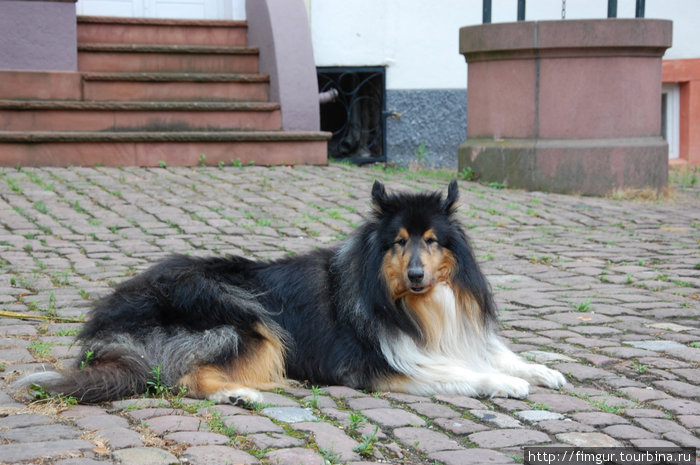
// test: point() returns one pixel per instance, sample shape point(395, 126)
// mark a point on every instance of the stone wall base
point(587, 167)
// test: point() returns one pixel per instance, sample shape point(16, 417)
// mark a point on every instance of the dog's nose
point(415, 274)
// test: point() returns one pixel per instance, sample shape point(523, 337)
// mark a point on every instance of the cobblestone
point(606, 290)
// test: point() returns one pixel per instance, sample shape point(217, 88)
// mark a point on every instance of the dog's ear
point(448, 204)
point(379, 196)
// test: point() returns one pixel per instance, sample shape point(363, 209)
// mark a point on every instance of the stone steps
point(148, 92)
point(97, 29)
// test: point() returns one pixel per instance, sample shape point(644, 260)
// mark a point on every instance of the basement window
point(352, 109)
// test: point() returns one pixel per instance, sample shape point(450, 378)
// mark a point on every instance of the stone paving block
point(120, 438)
point(246, 424)
point(22, 420)
point(274, 441)
point(690, 421)
point(599, 419)
point(645, 413)
point(329, 437)
point(501, 438)
point(98, 422)
point(535, 416)
point(393, 417)
point(588, 439)
point(342, 392)
point(498, 419)
point(82, 411)
point(169, 423)
point(460, 401)
point(660, 425)
point(628, 432)
point(431, 410)
point(223, 410)
point(583, 372)
point(20, 452)
point(459, 425)
point(679, 388)
point(563, 426)
point(278, 400)
point(40, 433)
point(683, 439)
point(562, 403)
point(294, 456)
point(679, 406)
point(17, 354)
point(362, 403)
point(471, 457)
point(198, 438)
point(425, 440)
point(289, 414)
point(80, 462)
point(144, 456)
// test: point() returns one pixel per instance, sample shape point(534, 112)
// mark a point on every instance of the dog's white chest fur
point(465, 359)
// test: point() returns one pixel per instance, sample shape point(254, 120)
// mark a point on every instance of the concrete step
point(88, 148)
point(62, 115)
point(171, 58)
point(175, 86)
point(113, 30)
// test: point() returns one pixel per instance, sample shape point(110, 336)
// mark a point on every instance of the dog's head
point(416, 232)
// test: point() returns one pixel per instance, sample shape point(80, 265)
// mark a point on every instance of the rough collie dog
point(399, 306)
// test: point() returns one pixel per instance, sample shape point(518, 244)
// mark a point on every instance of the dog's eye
point(431, 241)
point(400, 242)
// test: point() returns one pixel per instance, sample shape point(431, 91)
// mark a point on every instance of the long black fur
point(330, 306)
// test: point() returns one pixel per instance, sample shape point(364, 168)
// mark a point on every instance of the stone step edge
point(39, 105)
point(37, 137)
point(166, 48)
point(156, 76)
point(160, 21)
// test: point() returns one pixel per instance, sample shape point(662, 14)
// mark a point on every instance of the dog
point(401, 305)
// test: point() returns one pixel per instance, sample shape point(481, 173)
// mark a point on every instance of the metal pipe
point(639, 10)
point(612, 8)
point(521, 10)
point(486, 11)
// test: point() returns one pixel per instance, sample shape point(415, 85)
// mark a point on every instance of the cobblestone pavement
point(604, 290)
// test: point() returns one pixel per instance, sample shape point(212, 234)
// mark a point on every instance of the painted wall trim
point(686, 73)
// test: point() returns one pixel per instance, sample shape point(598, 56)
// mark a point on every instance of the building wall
point(417, 42)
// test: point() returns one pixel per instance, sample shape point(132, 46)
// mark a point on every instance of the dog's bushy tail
point(117, 376)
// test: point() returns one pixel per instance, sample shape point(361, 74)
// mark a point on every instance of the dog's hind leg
point(259, 365)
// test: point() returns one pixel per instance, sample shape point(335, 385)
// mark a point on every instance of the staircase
point(150, 92)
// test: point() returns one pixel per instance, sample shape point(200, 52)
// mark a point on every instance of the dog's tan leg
point(260, 365)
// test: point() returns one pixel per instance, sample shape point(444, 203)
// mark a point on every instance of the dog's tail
point(115, 377)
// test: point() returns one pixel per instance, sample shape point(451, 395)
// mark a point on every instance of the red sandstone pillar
point(566, 106)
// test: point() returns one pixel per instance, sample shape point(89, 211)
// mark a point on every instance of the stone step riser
point(129, 31)
point(139, 120)
point(158, 91)
point(110, 61)
point(176, 153)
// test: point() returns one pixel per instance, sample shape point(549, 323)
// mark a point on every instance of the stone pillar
point(566, 106)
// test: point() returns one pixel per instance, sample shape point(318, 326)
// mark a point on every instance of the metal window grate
point(356, 115)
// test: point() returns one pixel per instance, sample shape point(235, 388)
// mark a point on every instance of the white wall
point(418, 40)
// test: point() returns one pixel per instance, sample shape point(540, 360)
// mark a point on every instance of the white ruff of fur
point(466, 360)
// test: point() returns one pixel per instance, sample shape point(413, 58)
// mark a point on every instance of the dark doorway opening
point(352, 109)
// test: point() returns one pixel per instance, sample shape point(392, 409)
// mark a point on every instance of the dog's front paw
point(499, 385)
point(239, 396)
point(543, 376)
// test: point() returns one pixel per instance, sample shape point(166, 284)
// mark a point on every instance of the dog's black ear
point(379, 196)
point(452, 195)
